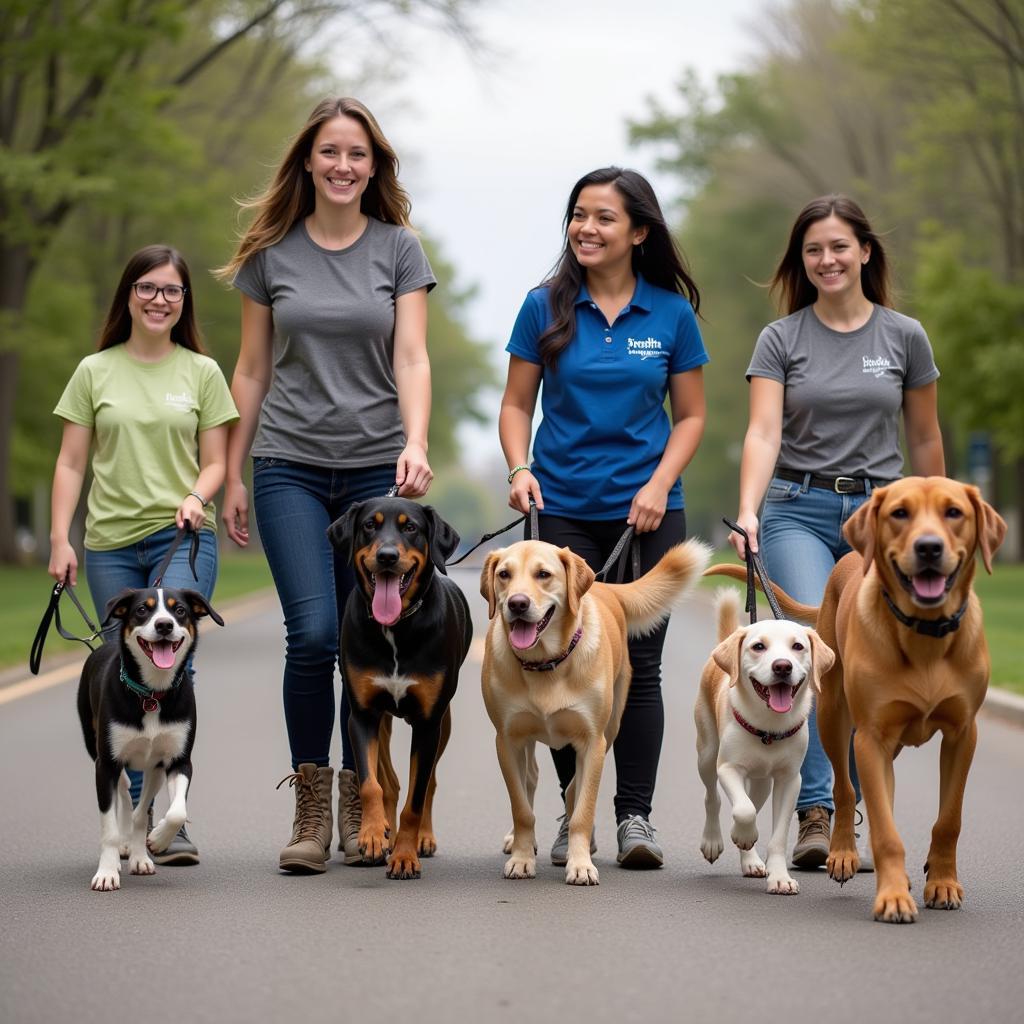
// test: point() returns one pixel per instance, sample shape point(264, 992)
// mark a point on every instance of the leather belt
point(838, 484)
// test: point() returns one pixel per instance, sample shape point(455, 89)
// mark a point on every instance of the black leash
point(626, 543)
point(534, 532)
point(755, 565)
point(183, 532)
point(52, 613)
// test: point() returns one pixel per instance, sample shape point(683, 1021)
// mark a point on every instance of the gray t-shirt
point(844, 390)
point(333, 400)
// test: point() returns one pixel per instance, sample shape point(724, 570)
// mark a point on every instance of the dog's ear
point(341, 532)
point(990, 525)
point(200, 606)
point(822, 658)
point(117, 607)
point(443, 540)
point(487, 581)
point(861, 527)
point(727, 655)
point(579, 577)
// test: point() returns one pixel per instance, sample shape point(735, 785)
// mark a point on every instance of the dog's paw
point(943, 895)
point(751, 864)
point(140, 864)
point(106, 881)
point(842, 865)
point(427, 845)
point(403, 864)
point(581, 872)
point(895, 906)
point(782, 885)
point(506, 843)
point(160, 838)
point(520, 867)
point(124, 850)
point(374, 844)
point(711, 846)
point(744, 835)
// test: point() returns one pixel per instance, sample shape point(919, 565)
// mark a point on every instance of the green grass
point(24, 593)
point(1002, 601)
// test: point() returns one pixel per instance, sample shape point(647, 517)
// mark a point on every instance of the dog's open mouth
point(928, 587)
point(160, 652)
point(388, 588)
point(778, 696)
point(523, 635)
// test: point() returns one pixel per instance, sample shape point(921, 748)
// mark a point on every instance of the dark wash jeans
point(295, 504)
point(637, 747)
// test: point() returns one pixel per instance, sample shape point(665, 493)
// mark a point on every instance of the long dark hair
point(291, 195)
point(790, 284)
point(658, 259)
point(117, 328)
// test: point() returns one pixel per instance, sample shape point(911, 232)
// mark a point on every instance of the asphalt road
point(235, 940)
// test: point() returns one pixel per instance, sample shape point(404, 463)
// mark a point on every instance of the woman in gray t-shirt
point(828, 385)
point(332, 386)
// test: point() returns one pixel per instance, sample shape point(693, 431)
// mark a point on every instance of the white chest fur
point(154, 742)
point(396, 685)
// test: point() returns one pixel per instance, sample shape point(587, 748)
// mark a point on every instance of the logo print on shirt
point(877, 367)
point(645, 348)
point(182, 403)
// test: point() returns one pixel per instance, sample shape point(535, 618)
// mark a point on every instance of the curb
point(1001, 704)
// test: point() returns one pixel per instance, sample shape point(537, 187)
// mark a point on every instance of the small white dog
point(751, 714)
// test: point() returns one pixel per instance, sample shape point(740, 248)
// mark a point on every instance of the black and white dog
point(138, 710)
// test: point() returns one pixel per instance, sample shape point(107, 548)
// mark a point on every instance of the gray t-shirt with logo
point(844, 390)
point(333, 400)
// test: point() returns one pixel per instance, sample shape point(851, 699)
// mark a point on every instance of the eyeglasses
point(146, 291)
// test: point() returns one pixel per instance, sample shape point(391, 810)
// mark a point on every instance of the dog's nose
point(928, 549)
point(518, 603)
point(782, 668)
point(163, 627)
point(387, 556)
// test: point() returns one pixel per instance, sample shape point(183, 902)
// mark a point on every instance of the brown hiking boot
point(813, 838)
point(310, 845)
point(350, 816)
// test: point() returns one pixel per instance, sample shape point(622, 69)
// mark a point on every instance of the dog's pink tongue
point(163, 654)
point(387, 599)
point(780, 697)
point(522, 634)
point(929, 585)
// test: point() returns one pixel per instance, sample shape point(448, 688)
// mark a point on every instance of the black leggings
point(637, 748)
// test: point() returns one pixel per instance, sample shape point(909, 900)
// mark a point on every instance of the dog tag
point(150, 704)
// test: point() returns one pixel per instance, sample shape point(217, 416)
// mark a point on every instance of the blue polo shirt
point(604, 426)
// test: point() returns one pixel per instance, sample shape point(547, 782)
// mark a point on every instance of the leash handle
point(755, 566)
point(185, 531)
point(627, 542)
point(52, 613)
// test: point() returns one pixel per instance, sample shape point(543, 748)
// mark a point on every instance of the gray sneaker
point(180, 854)
point(867, 860)
point(637, 846)
point(560, 847)
point(814, 835)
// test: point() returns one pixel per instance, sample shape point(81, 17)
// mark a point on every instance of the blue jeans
point(801, 538)
point(110, 572)
point(294, 506)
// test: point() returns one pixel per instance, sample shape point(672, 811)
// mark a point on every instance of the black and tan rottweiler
point(405, 633)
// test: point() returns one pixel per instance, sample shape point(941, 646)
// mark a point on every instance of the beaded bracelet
point(514, 470)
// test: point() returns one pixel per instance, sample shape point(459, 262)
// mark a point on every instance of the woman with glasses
point(154, 410)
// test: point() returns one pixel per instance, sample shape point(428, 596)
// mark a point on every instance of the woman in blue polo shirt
point(610, 334)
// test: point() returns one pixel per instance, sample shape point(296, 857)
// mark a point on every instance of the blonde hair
point(290, 194)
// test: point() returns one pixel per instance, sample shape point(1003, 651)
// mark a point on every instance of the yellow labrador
point(556, 670)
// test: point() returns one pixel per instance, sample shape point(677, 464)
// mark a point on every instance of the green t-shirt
point(145, 419)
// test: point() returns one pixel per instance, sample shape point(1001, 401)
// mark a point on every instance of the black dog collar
point(150, 698)
point(766, 737)
point(936, 628)
point(550, 663)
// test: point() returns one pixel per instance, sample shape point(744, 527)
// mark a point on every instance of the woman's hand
point(414, 474)
point(749, 522)
point(524, 486)
point(648, 507)
point(235, 513)
point(191, 511)
point(63, 561)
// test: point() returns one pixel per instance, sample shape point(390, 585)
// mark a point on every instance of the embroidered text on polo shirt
point(645, 348)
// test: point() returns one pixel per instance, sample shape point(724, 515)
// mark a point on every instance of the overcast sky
point(489, 152)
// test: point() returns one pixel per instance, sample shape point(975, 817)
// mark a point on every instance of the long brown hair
point(658, 259)
point(117, 328)
point(291, 196)
point(790, 285)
